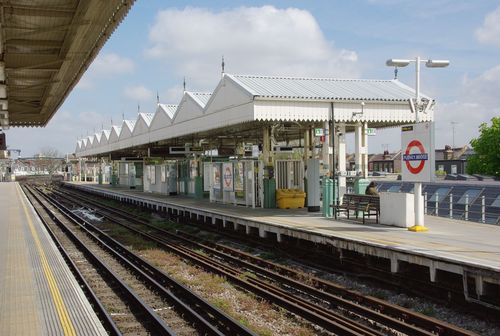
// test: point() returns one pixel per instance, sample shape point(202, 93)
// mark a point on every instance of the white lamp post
point(417, 190)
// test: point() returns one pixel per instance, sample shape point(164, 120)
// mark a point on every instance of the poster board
point(163, 173)
point(239, 176)
point(216, 171)
point(227, 176)
point(152, 174)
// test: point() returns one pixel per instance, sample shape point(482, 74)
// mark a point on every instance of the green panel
point(360, 185)
point(138, 169)
point(198, 187)
point(270, 193)
point(327, 197)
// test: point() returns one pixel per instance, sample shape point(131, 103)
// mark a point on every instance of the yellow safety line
point(54, 290)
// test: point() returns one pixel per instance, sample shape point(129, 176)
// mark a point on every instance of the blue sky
point(160, 42)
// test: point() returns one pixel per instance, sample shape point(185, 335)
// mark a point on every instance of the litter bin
point(290, 198)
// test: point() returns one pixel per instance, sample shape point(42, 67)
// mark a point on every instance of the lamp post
point(417, 189)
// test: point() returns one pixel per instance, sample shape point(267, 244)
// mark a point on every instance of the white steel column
point(358, 143)
point(306, 144)
point(266, 145)
point(326, 148)
point(341, 148)
point(365, 150)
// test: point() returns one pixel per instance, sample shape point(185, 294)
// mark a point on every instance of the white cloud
point(106, 66)
point(138, 93)
point(254, 40)
point(489, 32)
point(477, 102)
point(111, 64)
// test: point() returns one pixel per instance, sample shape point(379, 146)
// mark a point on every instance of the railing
point(469, 210)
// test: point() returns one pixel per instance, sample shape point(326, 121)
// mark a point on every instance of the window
point(441, 193)
point(441, 167)
point(496, 203)
point(395, 188)
point(472, 194)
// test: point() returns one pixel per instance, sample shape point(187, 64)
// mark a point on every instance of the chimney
point(387, 156)
point(448, 152)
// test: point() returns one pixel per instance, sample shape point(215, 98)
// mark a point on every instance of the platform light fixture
point(430, 63)
point(417, 104)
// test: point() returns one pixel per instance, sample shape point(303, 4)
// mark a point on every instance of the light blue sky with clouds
point(161, 42)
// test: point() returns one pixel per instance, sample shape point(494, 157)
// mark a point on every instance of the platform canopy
point(241, 106)
point(46, 46)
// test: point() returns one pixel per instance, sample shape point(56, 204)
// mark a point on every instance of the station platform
point(38, 293)
point(469, 250)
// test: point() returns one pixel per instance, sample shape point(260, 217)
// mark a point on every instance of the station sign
point(371, 131)
point(417, 145)
point(318, 132)
point(153, 161)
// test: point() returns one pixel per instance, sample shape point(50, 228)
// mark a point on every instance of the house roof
point(391, 157)
point(324, 88)
point(459, 153)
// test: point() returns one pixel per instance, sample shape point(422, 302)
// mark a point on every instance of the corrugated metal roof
point(201, 97)
point(130, 124)
point(46, 47)
point(106, 133)
point(324, 88)
point(147, 117)
point(169, 109)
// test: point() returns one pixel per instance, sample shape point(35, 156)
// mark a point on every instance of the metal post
point(425, 202)
point(451, 205)
point(466, 207)
point(419, 219)
point(437, 204)
point(483, 210)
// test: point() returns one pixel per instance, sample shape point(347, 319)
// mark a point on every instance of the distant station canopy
point(46, 46)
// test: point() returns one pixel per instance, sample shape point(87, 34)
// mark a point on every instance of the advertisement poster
point(216, 175)
point(163, 173)
point(227, 176)
point(239, 176)
point(152, 174)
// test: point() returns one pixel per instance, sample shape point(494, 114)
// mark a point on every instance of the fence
point(464, 207)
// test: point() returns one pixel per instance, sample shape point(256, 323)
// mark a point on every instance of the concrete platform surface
point(38, 293)
point(456, 241)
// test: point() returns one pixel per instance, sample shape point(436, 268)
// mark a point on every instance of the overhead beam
point(22, 10)
point(37, 43)
point(25, 64)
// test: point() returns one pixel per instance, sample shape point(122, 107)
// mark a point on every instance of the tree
point(486, 159)
point(50, 160)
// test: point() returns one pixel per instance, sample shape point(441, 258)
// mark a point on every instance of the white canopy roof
point(240, 103)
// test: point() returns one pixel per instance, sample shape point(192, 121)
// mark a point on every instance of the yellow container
point(290, 198)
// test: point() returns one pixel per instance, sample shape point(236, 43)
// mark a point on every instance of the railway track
point(143, 300)
point(323, 297)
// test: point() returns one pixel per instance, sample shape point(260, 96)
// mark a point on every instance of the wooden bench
point(368, 205)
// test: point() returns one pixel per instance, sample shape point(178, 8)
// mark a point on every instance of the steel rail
point(153, 322)
point(103, 315)
point(381, 311)
point(162, 282)
point(327, 319)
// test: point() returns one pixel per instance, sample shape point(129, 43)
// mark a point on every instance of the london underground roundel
point(415, 157)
